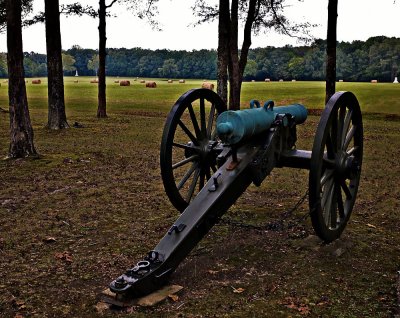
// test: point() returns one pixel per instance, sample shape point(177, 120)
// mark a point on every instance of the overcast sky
point(357, 20)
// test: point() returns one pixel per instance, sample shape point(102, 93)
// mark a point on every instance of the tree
point(330, 85)
point(93, 64)
point(57, 118)
point(257, 15)
point(143, 9)
point(169, 69)
point(68, 62)
point(21, 132)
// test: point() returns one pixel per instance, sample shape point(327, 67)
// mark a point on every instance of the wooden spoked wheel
point(189, 147)
point(335, 165)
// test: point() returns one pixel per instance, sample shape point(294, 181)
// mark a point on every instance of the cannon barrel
point(239, 125)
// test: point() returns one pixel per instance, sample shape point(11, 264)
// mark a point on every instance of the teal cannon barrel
point(236, 126)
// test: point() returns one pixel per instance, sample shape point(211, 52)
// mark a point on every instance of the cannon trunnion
point(209, 156)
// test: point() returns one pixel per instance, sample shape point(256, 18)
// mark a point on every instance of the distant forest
point(377, 58)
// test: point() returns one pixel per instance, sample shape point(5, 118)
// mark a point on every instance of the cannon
point(210, 155)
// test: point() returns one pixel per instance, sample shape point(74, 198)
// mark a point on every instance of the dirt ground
point(93, 205)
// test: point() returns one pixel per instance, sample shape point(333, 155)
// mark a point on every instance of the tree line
point(377, 58)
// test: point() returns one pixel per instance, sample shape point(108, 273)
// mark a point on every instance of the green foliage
point(3, 65)
point(377, 58)
point(93, 63)
point(68, 63)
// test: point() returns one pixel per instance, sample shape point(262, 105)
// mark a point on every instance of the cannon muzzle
point(236, 126)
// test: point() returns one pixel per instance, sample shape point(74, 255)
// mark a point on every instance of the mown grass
point(97, 192)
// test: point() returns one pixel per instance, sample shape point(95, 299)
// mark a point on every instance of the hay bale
point(281, 80)
point(94, 81)
point(293, 80)
point(142, 81)
point(268, 80)
point(374, 81)
point(151, 84)
point(170, 81)
point(253, 81)
point(6, 81)
point(76, 81)
point(340, 81)
point(36, 81)
point(116, 81)
point(124, 83)
point(182, 81)
point(208, 85)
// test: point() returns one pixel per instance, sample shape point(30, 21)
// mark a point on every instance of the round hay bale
point(36, 81)
point(182, 81)
point(281, 80)
point(170, 81)
point(94, 81)
point(208, 85)
point(124, 83)
point(253, 81)
point(151, 84)
point(374, 81)
point(293, 80)
point(76, 81)
point(268, 80)
point(341, 81)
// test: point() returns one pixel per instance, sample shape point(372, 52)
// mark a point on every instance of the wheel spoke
point(340, 202)
point(210, 121)
point(208, 174)
point(203, 117)
point(352, 150)
point(187, 175)
point(202, 176)
point(349, 137)
point(327, 176)
point(346, 189)
point(340, 126)
point(183, 146)
point(184, 161)
point(328, 203)
point(333, 209)
point(188, 132)
point(334, 132)
point(193, 185)
point(194, 121)
point(346, 126)
point(326, 191)
point(330, 147)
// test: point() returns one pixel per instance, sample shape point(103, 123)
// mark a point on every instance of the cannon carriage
point(210, 155)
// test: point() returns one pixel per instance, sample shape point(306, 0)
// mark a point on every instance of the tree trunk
point(331, 50)
point(21, 132)
point(223, 47)
point(101, 109)
point(57, 118)
point(234, 71)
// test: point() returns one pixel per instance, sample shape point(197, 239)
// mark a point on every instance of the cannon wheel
point(189, 147)
point(335, 165)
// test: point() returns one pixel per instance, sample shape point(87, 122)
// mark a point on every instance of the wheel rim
point(335, 165)
point(189, 146)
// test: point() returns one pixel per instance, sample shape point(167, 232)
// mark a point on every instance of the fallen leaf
point(238, 290)
point(64, 256)
point(173, 297)
point(49, 239)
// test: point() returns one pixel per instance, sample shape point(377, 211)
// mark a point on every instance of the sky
point(357, 20)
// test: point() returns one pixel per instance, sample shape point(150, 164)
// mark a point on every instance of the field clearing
point(94, 204)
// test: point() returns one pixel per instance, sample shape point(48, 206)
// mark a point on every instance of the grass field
point(94, 204)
